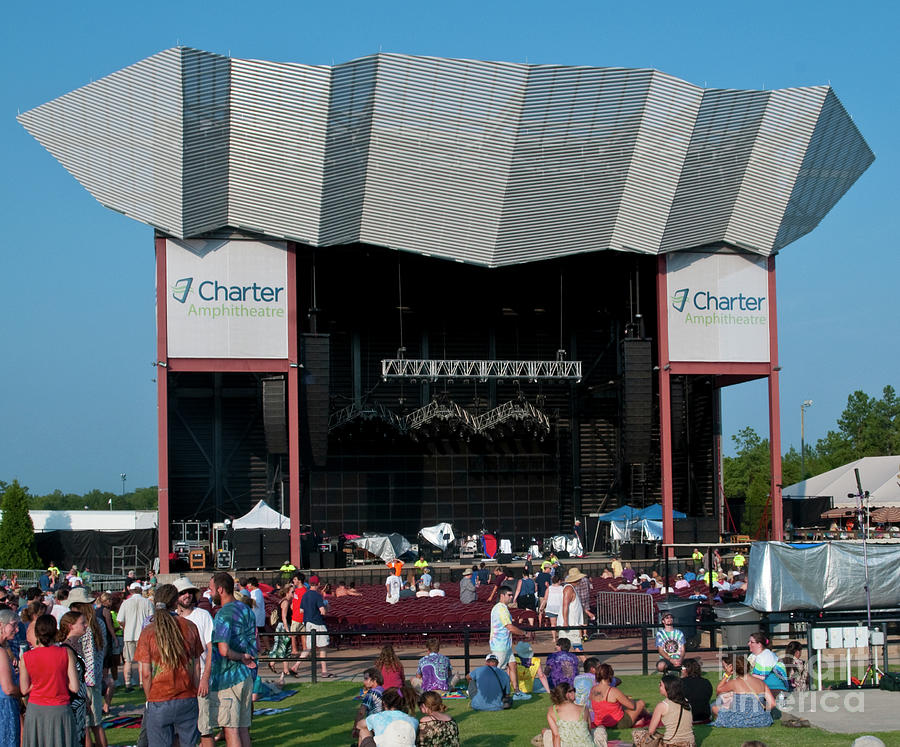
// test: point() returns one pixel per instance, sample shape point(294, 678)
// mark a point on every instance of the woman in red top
point(47, 675)
point(391, 667)
point(610, 707)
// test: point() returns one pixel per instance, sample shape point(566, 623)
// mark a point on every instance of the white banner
point(226, 299)
point(718, 307)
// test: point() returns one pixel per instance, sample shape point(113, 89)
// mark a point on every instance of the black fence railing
point(590, 634)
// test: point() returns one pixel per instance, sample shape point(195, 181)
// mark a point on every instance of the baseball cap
point(135, 585)
point(491, 656)
point(313, 580)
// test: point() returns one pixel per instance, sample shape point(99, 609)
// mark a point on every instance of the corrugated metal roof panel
point(485, 162)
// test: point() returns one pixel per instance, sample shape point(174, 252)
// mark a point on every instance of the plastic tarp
point(261, 516)
point(827, 576)
point(388, 547)
point(440, 535)
point(567, 542)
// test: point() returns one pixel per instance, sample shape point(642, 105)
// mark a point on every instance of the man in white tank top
point(572, 613)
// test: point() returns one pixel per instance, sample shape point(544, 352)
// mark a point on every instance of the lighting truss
point(444, 410)
point(434, 369)
point(357, 411)
point(524, 412)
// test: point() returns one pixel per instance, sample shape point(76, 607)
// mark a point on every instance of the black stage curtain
point(92, 549)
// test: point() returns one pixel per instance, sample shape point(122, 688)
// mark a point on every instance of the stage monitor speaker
point(627, 551)
point(315, 355)
point(329, 559)
point(563, 554)
point(640, 551)
point(315, 560)
point(637, 400)
point(504, 557)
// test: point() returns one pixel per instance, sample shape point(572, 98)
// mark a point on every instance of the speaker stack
point(315, 352)
point(637, 400)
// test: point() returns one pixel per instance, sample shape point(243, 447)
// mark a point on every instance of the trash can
point(735, 636)
point(684, 612)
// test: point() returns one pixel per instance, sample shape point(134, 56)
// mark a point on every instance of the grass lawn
point(321, 715)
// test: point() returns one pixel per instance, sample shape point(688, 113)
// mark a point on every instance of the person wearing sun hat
point(188, 609)
point(132, 615)
point(467, 591)
point(571, 614)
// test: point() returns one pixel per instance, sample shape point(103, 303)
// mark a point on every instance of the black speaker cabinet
point(329, 559)
point(504, 558)
point(627, 550)
point(315, 559)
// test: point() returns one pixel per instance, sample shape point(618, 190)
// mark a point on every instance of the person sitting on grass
point(436, 727)
point(562, 666)
point(673, 714)
point(487, 686)
point(391, 667)
point(743, 701)
point(569, 722)
point(610, 706)
point(371, 697)
point(529, 672)
point(384, 723)
point(586, 680)
point(697, 689)
point(434, 671)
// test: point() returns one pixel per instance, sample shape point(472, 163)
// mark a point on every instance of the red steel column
point(774, 412)
point(665, 401)
point(293, 404)
point(162, 405)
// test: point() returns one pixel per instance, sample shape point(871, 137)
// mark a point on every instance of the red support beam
point(162, 406)
point(293, 404)
point(774, 412)
point(665, 402)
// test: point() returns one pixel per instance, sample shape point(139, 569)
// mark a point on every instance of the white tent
point(879, 475)
point(261, 516)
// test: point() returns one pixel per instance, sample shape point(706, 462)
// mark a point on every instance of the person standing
point(313, 607)
point(188, 609)
point(47, 675)
point(300, 588)
point(132, 615)
point(571, 613)
point(93, 649)
point(10, 732)
point(697, 558)
point(168, 652)
point(259, 603)
point(502, 631)
point(579, 535)
point(394, 584)
point(467, 591)
point(234, 653)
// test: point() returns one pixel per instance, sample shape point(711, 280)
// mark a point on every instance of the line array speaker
point(315, 351)
point(637, 400)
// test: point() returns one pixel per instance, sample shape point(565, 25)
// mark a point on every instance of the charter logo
point(679, 298)
point(181, 289)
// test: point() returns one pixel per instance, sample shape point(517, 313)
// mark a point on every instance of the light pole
point(806, 403)
point(123, 476)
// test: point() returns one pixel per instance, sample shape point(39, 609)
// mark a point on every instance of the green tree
point(18, 549)
point(866, 427)
point(747, 476)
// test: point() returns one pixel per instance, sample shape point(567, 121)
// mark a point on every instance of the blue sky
point(77, 303)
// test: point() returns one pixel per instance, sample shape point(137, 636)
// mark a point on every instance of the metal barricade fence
point(621, 608)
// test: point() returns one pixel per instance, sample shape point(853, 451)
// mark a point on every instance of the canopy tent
point(655, 513)
point(879, 475)
point(440, 535)
point(261, 516)
point(625, 512)
point(388, 547)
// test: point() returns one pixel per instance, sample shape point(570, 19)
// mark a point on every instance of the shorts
point(206, 728)
point(163, 718)
point(128, 649)
point(503, 657)
point(321, 640)
point(296, 627)
point(232, 708)
point(95, 695)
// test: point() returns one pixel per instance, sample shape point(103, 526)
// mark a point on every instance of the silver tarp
point(440, 535)
point(385, 546)
point(826, 576)
point(569, 543)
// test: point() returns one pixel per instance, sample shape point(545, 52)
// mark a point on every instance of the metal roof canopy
point(490, 163)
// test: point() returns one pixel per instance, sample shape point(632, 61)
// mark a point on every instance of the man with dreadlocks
point(168, 653)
